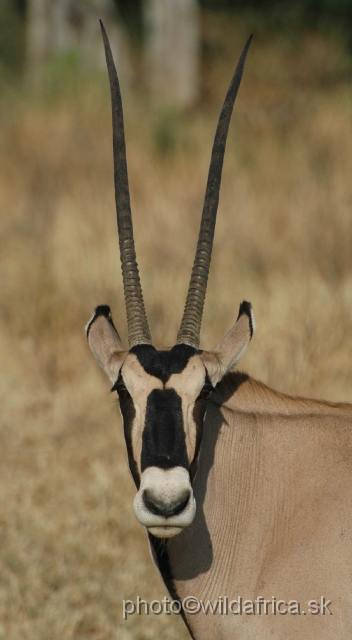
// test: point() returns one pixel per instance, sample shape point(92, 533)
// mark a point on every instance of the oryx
point(246, 493)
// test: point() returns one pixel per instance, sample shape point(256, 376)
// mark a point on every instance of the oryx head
point(163, 394)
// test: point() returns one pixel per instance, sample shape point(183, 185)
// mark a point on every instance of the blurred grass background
point(71, 549)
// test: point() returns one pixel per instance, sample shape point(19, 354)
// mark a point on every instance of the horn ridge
point(138, 328)
point(192, 316)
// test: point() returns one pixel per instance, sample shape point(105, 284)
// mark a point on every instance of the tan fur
point(188, 385)
point(139, 385)
point(274, 514)
point(273, 496)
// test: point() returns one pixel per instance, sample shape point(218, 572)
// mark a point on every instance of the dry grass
point(71, 549)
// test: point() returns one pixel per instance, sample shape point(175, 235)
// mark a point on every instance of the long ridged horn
point(138, 329)
point(193, 311)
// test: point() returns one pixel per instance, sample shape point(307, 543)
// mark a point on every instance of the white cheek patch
point(139, 384)
point(188, 384)
point(191, 431)
point(190, 381)
point(136, 437)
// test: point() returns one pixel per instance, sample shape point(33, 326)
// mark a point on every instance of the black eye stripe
point(204, 394)
point(206, 390)
point(123, 393)
point(129, 414)
point(121, 388)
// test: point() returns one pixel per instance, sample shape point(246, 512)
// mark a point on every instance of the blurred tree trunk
point(55, 27)
point(37, 36)
point(172, 49)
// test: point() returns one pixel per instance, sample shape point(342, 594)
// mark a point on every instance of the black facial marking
point(164, 443)
point(162, 364)
point(198, 417)
point(128, 414)
point(120, 387)
point(163, 439)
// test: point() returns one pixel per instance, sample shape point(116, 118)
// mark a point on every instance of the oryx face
point(163, 397)
point(162, 401)
point(163, 394)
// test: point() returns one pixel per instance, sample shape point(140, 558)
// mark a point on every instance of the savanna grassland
point(70, 547)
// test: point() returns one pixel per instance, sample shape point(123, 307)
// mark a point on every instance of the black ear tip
point(100, 310)
point(246, 308)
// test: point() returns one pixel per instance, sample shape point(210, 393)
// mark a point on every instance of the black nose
point(156, 505)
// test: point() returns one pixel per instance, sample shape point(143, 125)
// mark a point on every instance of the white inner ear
point(115, 363)
point(106, 347)
point(213, 366)
point(236, 358)
point(230, 349)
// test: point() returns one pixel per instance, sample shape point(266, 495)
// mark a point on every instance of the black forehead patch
point(162, 364)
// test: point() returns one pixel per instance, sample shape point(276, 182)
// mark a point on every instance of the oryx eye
point(123, 393)
point(120, 387)
point(205, 393)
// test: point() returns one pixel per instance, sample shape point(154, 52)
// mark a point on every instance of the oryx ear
point(105, 342)
point(229, 350)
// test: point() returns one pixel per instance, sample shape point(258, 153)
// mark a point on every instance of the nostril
point(181, 504)
point(166, 509)
point(151, 503)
